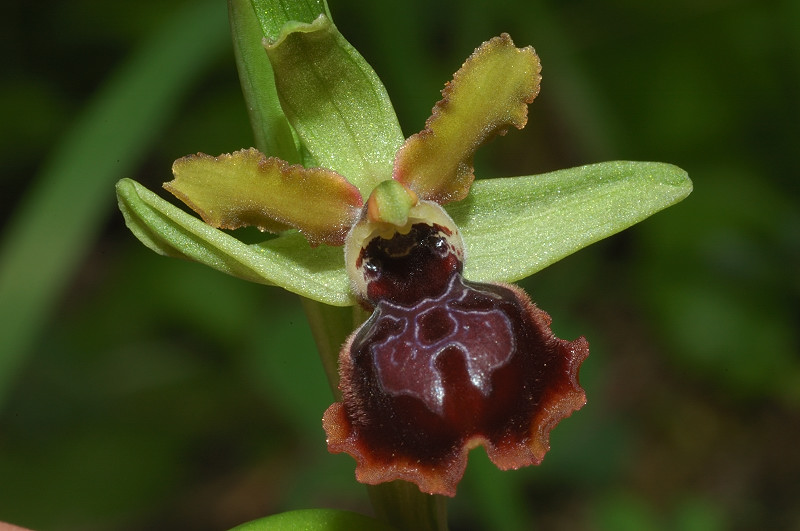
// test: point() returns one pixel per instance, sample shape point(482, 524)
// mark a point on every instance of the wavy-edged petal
point(444, 365)
point(335, 102)
point(288, 261)
point(513, 227)
point(246, 188)
point(490, 93)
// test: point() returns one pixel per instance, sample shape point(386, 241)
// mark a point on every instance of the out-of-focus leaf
point(335, 102)
point(57, 222)
point(315, 520)
point(287, 261)
point(514, 227)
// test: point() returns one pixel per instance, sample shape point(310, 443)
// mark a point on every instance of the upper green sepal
point(273, 15)
point(335, 102)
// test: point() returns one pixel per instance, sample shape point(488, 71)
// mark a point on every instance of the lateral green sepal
point(513, 227)
point(288, 260)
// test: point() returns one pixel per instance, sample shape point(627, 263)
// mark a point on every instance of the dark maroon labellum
point(444, 365)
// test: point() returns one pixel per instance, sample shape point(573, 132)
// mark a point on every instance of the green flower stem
point(330, 326)
point(402, 504)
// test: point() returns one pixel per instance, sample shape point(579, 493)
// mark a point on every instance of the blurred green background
point(139, 392)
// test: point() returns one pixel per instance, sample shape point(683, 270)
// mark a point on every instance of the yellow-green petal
point(490, 93)
point(246, 188)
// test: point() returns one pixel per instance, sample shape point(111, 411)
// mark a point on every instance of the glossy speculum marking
point(408, 345)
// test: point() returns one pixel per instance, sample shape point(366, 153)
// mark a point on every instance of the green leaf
point(287, 261)
point(488, 94)
point(514, 227)
point(245, 188)
point(271, 130)
point(315, 520)
point(335, 102)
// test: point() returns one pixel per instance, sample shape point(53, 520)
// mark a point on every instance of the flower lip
point(424, 384)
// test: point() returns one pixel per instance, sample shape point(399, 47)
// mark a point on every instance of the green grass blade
point(50, 233)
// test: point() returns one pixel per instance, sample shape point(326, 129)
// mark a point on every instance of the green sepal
point(335, 102)
point(316, 520)
point(513, 227)
point(288, 260)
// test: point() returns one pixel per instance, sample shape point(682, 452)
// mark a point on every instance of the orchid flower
point(452, 356)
